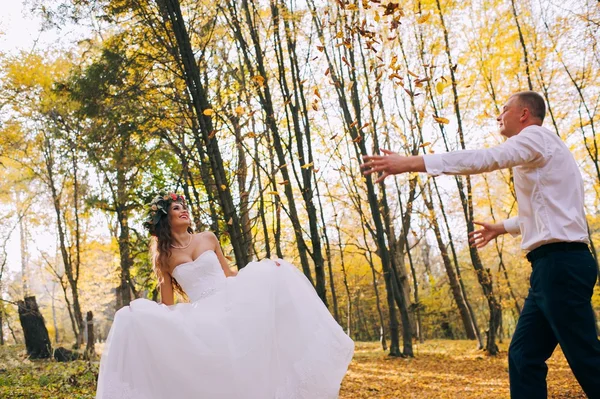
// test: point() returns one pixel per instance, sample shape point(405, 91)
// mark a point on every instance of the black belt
point(545, 249)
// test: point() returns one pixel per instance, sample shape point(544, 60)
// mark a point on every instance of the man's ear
point(524, 115)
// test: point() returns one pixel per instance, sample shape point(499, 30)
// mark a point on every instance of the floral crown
point(159, 208)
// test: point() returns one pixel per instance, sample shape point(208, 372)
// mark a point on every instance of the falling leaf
point(441, 120)
point(212, 134)
point(239, 110)
point(377, 18)
point(423, 18)
point(223, 187)
point(425, 144)
point(285, 183)
point(390, 8)
point(230, 221)
point(320, 48)
point(251, 135)
point(351, 7)
point(439, 87)
point(273, 193)
point(327, 72)
point(412, 73)
point(259, 80)
point(208, 112)
point(357, 140)
point(308, 165)
point(317, 92)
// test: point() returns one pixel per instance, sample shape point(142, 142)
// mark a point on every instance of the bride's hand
point(480, 238)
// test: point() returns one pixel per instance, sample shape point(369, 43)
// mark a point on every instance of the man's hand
point(391, 164)
point(480, 238)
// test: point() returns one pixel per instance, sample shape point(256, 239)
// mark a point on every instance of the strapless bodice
point(201, 277)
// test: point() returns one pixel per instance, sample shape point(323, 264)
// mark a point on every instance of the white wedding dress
point(260, 335)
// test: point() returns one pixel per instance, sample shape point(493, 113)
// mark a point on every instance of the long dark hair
point(160, 250)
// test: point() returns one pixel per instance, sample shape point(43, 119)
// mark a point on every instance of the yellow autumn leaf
point(223, 187)
point(239, 110)
point(285, 182)
point(377, 18)
point(439, 87)
point(273, 193)
point(425, 144)
point(308, 165)
point(259, 80)
point(443, 121)
point(423, 18)
point(412, 74)
point(208, 112)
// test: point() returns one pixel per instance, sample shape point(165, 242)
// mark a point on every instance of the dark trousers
point(557, 311)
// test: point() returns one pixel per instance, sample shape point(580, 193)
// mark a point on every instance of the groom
point(554, 231)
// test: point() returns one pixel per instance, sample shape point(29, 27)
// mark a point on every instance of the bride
point(261, 333)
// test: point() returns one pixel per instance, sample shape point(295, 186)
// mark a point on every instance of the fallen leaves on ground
point(443, 369)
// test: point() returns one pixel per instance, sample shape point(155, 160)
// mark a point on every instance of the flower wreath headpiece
point(159, 208)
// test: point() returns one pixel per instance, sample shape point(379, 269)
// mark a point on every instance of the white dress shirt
point(547, 180)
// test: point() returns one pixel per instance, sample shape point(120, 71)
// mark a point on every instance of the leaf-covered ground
point(444, 369)
point(441, 369)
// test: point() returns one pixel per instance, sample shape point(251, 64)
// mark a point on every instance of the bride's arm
point(166, 290)
point(222, 260)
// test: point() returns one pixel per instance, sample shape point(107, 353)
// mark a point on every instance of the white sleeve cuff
point(434, 164)
point(512, 226)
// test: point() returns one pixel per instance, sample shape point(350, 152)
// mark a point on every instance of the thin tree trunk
point(523, 46)
point(483, 275)
point(172, 11)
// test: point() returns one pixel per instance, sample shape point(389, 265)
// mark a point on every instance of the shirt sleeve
point(512, 226)
point(526, 147)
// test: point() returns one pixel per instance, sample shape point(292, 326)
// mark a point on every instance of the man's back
point(549, 192)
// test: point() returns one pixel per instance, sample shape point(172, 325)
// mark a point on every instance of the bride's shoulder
point(206, 236)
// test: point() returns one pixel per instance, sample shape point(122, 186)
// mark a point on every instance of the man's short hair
point(534, 102)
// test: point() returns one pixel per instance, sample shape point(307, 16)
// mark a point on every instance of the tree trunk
point(484, 275)
point(36, 336)
point(90, 351)
point(452, 278)
point(171, 10)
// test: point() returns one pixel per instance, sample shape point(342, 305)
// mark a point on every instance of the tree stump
point(65, 355)
point(90, 351)
point(36, 336)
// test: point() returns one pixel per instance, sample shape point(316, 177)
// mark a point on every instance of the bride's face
point(178, 215)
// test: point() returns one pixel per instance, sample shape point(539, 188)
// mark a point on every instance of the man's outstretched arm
point(525, 148)
point(488, 231)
